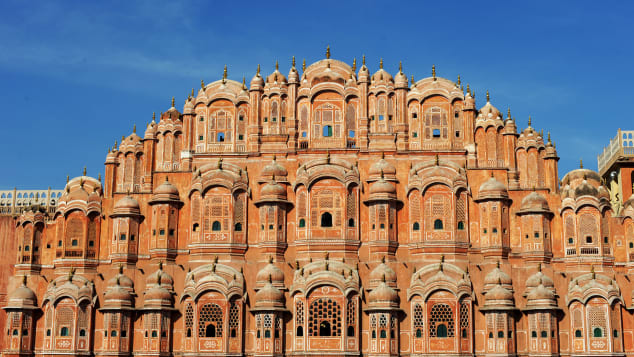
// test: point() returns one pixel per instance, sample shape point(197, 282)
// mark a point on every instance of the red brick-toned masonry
point(327, 212)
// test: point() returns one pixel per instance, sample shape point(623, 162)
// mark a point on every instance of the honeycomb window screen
point(210, 315)
point(65, 318)
point(418, 316)
point(596, 318)
point(299, 313)
point(189, 316)
point(441, 314)
point(234, 319)
point(324, 318)
point(351, 313)
point(464, 315)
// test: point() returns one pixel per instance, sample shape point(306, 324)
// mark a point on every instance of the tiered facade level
point(330, 212)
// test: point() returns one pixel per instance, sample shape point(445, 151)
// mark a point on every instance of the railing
point(606, 251)
point(351, 144)
point(571, 251)
point(589, 251)
point(303, 144)
point(621, 145)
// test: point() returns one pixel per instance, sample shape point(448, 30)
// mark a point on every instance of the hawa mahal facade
point(330, 211)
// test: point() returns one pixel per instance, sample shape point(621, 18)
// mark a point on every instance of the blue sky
point(76, 75)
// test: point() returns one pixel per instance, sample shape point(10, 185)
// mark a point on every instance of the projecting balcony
point(621, 147)
point(589, 251)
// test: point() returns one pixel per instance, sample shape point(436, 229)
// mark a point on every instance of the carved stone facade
point(328, 212)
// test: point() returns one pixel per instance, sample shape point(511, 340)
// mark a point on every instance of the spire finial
point(364, 60)
point(304, 65)
point(498, 264)
point(328, 52)
point(160, 265)
point(24, 280)
point(84, 173)
point(530, 121)
point(549, 137)
point(433, 71)
point(244, 82)
point(437, 160)
point(383, 260)
point(354, 64)
point(153, 116)
point(202, 84)
point(539, 267)
point(488, 97)
point(413, 80)
point(594, 275)
point(270, 260)
point(99, 177)
point(581, 163)
point(277, 65)
point(400, 66)
point(508, 113)
point(293, 62)
point(381, 63)
point(258, 72)
point(459, 81)
point(382, 175)
point(224, 75)
point(468, 89)
point(172, 102)
point(120, 268)
point(192, 95)
point(67, 178)
point(384, 277)
point(134, 128)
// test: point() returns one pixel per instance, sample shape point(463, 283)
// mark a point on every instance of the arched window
point(500, 334)
point(578, 333)
point(419, 333)
point(533, 333)
point(438, 224)
point(464, 333)
point(238, 227)
point(351, 331)
point(221, 137)
point(441, 330)
point(302, 223)
point(15, 332)
point(383, 334)
point(544, 334)
point(324, 329)
point(215, 226)
point(62, 332)
point(154, 333)
point(210, 331)
point(74, 243)
point(300, 331)
point(195, 227)
point(441, 314)
point(351, 222)
point(189, 332)
point(416, 226)
point(326, 219)
point(113, 333)
point(460, 225)
point(597, 332)
point(210, 315)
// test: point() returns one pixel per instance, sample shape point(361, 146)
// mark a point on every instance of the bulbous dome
point(497, 276)
point(160, 277)
point(270, 272)
point(382, 294)
point(158, 295)
point(274, 170)
point(276, 76)
point(539, 278)
point(127, 206)
point(165, 192)
point(534, 202)
point(401, 80)
point(499, 293)
point(273, 189)
point(257, 81)
point(77, 194)
point(85, 290)
point(540, 292)
point(382, 166)
point(382, 187)
point(382, 271)
point(269, 297)
point(117, 295)
point(586, 189)
point(488, 111)
point(382, 76)
point(23, 296)
point(492, 189)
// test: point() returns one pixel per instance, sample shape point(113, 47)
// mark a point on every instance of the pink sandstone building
point(327, 212)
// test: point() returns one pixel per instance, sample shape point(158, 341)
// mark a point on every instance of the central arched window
point(215, 226)
point(210, 321)
point(578, 333)
point(438, 224)
point(324, 319)
point(441, 315)
point(326, 219)
point(62, 332)
point(416, 226)
point(597, 332)
point(441, 330)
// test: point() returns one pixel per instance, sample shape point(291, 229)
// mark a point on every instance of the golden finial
point(120, 268)
point(172, 102)
point(134, 128)
point(592, 272)
point(304, 65)
point(160, 265)
point(498, 264)
point(354, 64)
point(270, 259)
point(508, 113)
point(382, 175)
point(437, 160)
point(364, 60)
point(530, 121)
point(99, 177)
point(468, 89)
point(192, 95)
point(459, 81)
point(244, 83)
point(413, 80)
point(549, 137)
point(258, 72)
point(277, 65)
point(400, 66)
point(84, 171)
point(381, 63)
point(488, 97)
point(539, 267)
point(433, 71)
point(383, 259)
point(581, 163)
point(328, 52)
point(293, 62)
point(24, 280)
point(153, 116)
point(202, 84)
point(224, 75)
point(67, 178)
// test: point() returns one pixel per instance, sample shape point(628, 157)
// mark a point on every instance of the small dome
point(534, 202)
point(117, 295)
point(257, 80)
point(160, 277)
point(364, 73)
point(77, 194)
point(382, 166)
point(497, 276)
point(586, 189)
point(492, 189)
point(382, 187)
point(127, 206)
point(270, 271)
point(488, 111)
point(274, 170)
point(276, 76)
point(540, 293)
point(165, 192)
point(401, 79)
point(23, 296)
point(124, 281)
point(382, 76)
point(293, 75)
point(499, 293)
point(603, 193)
point(382, 270)
point(94, 196)
point(85, 290)
point(382, 294)
point(269, 297)
point(539, 278)
point(273, 189)
point(158, 295)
